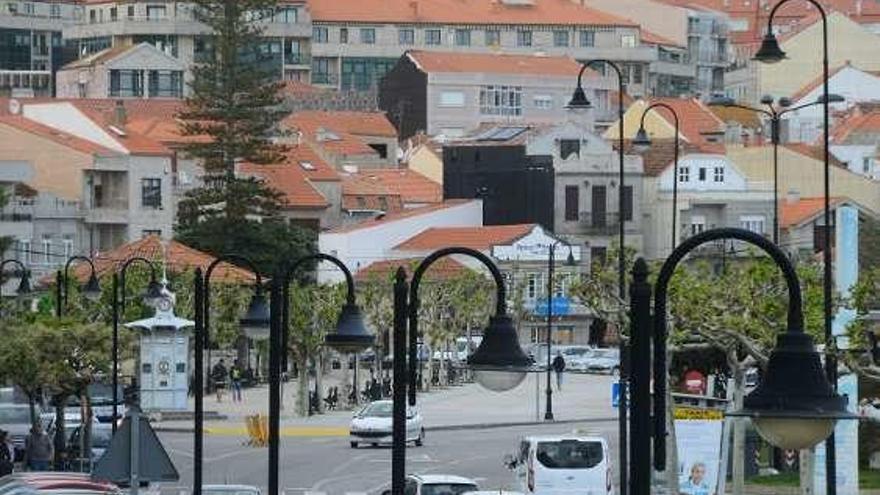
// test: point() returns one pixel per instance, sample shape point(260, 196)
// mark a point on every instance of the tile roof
point(854, 124)
point(409, 185)
point(132, 140)
point(479, 238)
point(297, 88)
point(660, 156)
point(741, 116)
point(496, 63)
point(442, 269)
point(696, 120)
point(176, 256)
point(98, 57)
point(650, 38)
point(357, 123)
point(52, 134)
point(294, 177)
point(328, 136)
point(155, 119)
point(406, 213)
point(470, 12)
point(794, 213)
point(362, 193)
point(814, 152)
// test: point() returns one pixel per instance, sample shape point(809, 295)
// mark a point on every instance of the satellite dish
point(14, 106)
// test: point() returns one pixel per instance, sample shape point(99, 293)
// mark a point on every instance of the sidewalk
point(583, 397)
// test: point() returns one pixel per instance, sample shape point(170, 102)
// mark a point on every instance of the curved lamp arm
point(795, 314)
point(258, 287)
point(62, 291)
point(349, 279)
point(14, 261)
point(656, 105)
point(783, 2)
point(124, 269)
point(585, 65)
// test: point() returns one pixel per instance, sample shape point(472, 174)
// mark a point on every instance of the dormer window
point(568, 147)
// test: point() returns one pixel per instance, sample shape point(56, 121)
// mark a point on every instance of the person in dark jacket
point(7, 454)
point(558, 367)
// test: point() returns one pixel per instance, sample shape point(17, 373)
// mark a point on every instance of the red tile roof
point(430, 61)
point(409, 185)
point(357, 123)
point(856, 123)
point(362, 193)
point(52, 134)
point(794, 213)
point(329, 136)
point(660, 156)
point(98, 57)
point(470, 12)
point(650, 38)
point(696, 120)
point(135, 142)
point(295, 176)
point(407, 213)
point(176, 256)
point(443, 269)
point(479, 238)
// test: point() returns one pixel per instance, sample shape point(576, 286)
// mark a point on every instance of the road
point(329, 465)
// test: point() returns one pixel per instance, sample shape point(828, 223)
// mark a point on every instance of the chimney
point(792, 196)
point(119, 114)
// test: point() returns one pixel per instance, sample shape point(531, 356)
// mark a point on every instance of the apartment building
point(354, 44)
point(173, 28)
point(31, 45)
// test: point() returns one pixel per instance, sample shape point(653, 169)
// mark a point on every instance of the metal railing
point(599, 222)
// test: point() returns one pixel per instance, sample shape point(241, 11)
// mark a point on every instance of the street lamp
point(150, 297)
point(24, 284)
point(202, 298)
point(351, 336)
point(774, 113)
point(499, 363)
point(579, 101)
point(770, 52)
point(91, 290)
point(551, 262)
point(794, 406)
point(642, 143)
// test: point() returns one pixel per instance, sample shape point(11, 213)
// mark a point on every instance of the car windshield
point(448, 489)
point(569, 454)
point(15, 415)
point(604, 354)
point(378, 410)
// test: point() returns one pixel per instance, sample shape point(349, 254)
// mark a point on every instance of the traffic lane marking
point(288, 431)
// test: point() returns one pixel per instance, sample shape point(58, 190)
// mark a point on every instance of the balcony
point(298, 59)
point(325, 79)
point(124, 25)
point(599, 223)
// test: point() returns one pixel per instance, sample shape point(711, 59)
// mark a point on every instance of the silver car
point(16, 419)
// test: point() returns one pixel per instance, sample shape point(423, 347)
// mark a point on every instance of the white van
point(562, 464)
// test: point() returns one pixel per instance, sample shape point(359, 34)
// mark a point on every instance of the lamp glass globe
point(499, 380)
point(794, 433)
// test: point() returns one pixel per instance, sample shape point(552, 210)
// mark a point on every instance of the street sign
point(152, 462)
point(615, 394)
point(559, 305)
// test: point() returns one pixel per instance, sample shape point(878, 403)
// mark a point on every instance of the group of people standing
point(222, 376)
point(38, 451)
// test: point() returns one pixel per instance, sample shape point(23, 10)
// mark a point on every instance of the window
point(149, 232)
point(569, 454)
point(151, 193)
point(560, 38)
point(286, 15)
point(568, 147)
point(319, 34)
point(131, 12)
point(343, 35)
point(368, 36)
point(719, 174)
point(47, 250)
point(432, 37)
point(321, 71)
point(462, 37)
point(406, 37)
point(627, 212)
point(754, 223)
point(572, 203)
point(55, 11)
point(93, 16)
point(533, 286)
point(493, 37)
point(24, 250)
point(588, 38)
point(155, 12)
point(452, 99)
point(126, 83)
point(67, 242)
point(501, 100)
point(637, 74)
point(702, 174)
point(523, 38)
point(628, 41)
point(166, 84)
point(684, 174)
point(29, 8)
point(698, 224)
point(867, 164)
point(544, 102)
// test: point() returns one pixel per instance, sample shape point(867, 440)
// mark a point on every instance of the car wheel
point(354, 445)
point(421, 440)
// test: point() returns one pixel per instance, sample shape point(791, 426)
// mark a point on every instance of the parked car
point(16, 419)
point(372, 425)
point(604, 361)
point(551, 465)
point(72, 421)
point(576, 357)
point(437, 484)
point(101, 435)
point(55, 483)
point(230, 490)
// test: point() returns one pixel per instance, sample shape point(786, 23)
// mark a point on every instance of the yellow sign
point(693, 413)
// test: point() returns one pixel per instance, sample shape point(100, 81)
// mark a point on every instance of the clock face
point(164, 304)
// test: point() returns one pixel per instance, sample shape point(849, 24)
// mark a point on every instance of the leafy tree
point(19, 367)
point(5, 241)
point(376, 296)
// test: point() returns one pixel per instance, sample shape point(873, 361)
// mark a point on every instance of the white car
point(437, 484)
point(559, 465)
point(372, 425)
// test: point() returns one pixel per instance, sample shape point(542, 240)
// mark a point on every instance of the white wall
point(854, 154)
point(65, 117)
point(733, 179)
point(359, 247)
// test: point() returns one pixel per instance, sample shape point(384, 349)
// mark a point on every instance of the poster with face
point(698, 433)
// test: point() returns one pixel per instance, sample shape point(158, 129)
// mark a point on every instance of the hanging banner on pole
point(698, 435)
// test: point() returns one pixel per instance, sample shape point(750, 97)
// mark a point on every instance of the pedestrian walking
point(558, 367)
point(220, 375)
point(38, 449)
point(235, 375)
point(7, 454)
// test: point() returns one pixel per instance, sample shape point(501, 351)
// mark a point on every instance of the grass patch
point(868, 479)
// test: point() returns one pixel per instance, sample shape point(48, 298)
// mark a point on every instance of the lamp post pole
point(548, 413)
point(91, 289)
point(24, 284)
point(643, 140)
point(579, 100)
point(771, 52)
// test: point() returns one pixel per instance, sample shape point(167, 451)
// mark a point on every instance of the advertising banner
point(698, 433)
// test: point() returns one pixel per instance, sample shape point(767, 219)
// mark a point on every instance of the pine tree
point(235, 108)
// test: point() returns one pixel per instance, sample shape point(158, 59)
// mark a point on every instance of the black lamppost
point(551, 264)
point(152, 294)
point(770, 52)
point(774, 112)
point(579, 101)
point(794, 407)
point(24, 284)
point(642, 142)
point(499, 363)
point(256, 319)
point(91, 289)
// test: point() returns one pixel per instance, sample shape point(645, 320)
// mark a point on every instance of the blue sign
point(558, 305)
point(615, 394)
